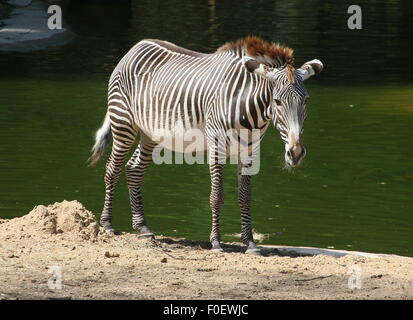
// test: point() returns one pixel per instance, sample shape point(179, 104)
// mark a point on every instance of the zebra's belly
point(180, 139)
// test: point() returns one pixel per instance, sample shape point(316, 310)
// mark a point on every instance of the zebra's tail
point(103, 136)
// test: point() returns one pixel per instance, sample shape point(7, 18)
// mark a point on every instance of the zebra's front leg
point(244, 199)
point(135, 170)
point(216, 200)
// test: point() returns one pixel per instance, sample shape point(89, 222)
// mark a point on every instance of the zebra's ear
point(261, 69)
point(310, 68)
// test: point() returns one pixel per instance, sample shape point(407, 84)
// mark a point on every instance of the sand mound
point(67, 217)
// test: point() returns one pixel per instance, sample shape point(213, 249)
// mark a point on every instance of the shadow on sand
point(229, 247)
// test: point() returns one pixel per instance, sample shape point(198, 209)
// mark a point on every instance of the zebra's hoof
point(144, 232)
point(112, 231)
point(216, 247)
point(146, 235)
point(107, 227)
point(253, 251)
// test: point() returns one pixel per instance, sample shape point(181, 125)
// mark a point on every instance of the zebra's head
point(289, 103)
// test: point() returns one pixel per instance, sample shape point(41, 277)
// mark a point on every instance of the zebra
point(246, 84)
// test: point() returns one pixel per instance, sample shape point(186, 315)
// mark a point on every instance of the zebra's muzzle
point(294, 155)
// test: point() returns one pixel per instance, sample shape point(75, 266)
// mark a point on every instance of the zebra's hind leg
point(216, 201)
point(244, 199)
point(113, 169)
point(135, 170)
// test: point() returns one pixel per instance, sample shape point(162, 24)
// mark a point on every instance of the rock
point(111, 255)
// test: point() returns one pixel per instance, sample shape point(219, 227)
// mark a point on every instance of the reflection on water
point(354, 190)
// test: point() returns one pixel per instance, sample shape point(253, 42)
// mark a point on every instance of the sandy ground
point(66, 238)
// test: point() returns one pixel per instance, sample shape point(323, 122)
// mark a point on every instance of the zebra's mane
point(269, 53)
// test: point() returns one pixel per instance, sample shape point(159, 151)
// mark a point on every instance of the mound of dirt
point(68, 217)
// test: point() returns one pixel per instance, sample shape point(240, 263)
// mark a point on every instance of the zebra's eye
point(278, 102)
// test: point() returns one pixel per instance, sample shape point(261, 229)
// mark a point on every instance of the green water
point(354, 190)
